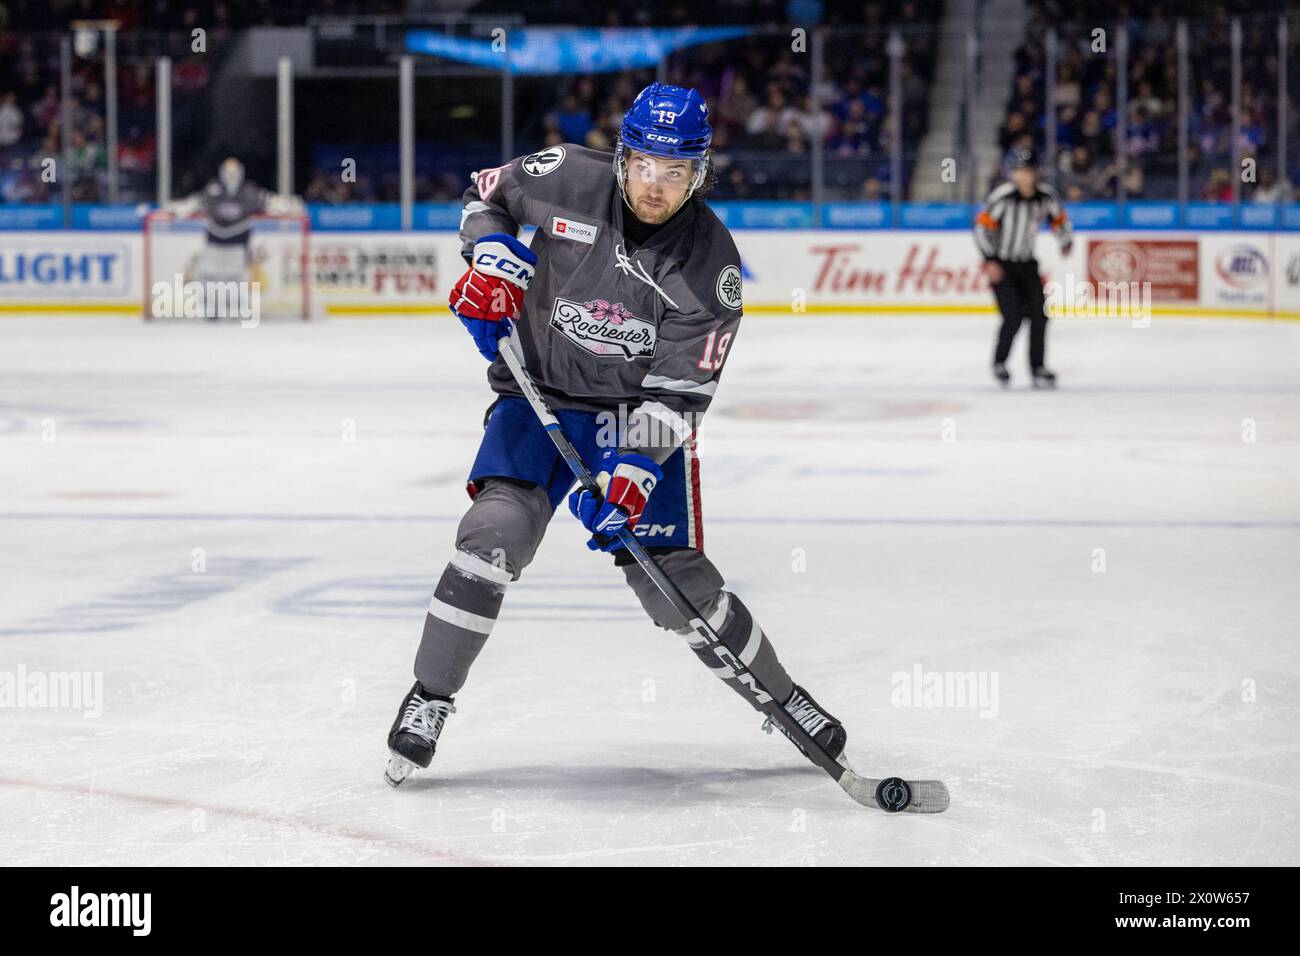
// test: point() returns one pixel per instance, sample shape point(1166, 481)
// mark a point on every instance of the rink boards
point(1250, 274)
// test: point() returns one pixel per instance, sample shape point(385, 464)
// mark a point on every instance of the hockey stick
point(892, 794)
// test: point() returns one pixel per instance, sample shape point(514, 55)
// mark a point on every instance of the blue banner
point(1154, 215)
point(436, 215)
point(356, 217)
point(1094, 215)
point(857, 215)
point(548, 50)
point(937, 215)
point(765, 214)
point(1151, 215)
point(1262, 216)
point(1207, 215)
point(87, 216)
point(31, 217)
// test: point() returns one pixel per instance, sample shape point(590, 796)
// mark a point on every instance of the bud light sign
point(42, 266)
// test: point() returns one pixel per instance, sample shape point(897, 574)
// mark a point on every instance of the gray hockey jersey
point(607, 325)
point(231, 217)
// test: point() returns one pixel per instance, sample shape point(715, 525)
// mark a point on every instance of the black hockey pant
point(1020, 296)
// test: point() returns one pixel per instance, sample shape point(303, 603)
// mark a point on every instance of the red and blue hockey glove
point(626, 480)
point(492, 292)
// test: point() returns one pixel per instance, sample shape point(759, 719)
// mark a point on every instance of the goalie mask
point(666, 126)
point(231, 175)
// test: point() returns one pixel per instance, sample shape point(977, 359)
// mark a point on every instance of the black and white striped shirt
point(1008, 224)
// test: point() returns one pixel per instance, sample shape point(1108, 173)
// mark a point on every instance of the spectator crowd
point(1085, 114)
point(767, 108)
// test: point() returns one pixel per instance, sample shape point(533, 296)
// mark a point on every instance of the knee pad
point(505, 524)
point(694, 575)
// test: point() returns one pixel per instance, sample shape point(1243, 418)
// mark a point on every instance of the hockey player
point(229, 203)
point(626, 305)
point(1005, 231)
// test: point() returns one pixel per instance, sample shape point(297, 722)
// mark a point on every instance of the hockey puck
point(893, 794)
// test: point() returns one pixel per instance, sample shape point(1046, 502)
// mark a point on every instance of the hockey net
point(279, 263)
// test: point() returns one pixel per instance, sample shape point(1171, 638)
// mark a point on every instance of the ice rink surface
point(1115, 564)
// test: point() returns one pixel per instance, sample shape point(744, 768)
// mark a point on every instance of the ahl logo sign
point(547, 161)
point(1242, 267)
point(604, 329)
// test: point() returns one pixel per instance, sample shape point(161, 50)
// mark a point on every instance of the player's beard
point(656, 210)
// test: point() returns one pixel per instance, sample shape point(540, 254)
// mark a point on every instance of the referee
point(1005, 230)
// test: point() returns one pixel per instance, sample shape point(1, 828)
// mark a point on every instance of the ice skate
point(820, 724)
point(414, 737)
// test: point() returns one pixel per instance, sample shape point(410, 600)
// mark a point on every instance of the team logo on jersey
point(729, 287)
point(604, 328)
point(548, 160)
point(569, 229)
point(229, 212)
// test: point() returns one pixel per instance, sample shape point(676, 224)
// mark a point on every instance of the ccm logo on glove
point(495, 259)
point(492, 291)
point(627, 481)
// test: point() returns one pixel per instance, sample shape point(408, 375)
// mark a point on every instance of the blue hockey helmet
point(666, 121)
point(669, 121)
